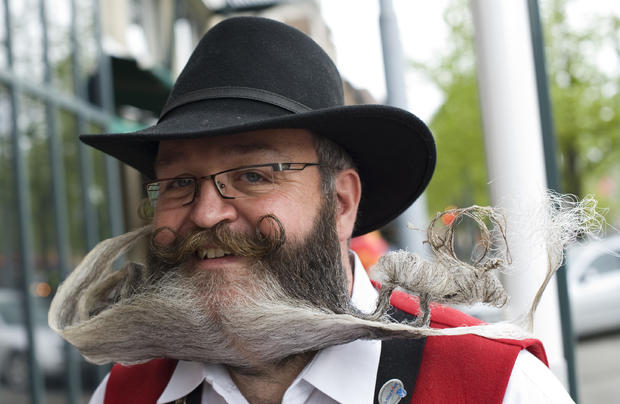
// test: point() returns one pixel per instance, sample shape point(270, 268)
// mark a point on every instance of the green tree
point(585, 102)
point(460, 177)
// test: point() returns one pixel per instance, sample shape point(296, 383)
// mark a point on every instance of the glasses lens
point(246, 182)
point(172, 193)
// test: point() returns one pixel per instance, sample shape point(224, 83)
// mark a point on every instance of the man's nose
point(209, 208)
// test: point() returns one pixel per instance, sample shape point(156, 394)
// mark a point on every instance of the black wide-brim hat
point(250, 73)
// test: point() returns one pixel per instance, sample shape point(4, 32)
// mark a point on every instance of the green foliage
point(42, 217)
point(34, 136)
point(460, 177)
point(585, 104)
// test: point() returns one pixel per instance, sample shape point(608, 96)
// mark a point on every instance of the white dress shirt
point(346, 373)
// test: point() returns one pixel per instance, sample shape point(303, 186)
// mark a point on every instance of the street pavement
point(598, 369)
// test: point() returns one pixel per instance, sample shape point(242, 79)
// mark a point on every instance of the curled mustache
point(257, 245)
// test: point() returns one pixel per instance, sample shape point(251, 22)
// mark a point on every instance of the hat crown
point(258, 53)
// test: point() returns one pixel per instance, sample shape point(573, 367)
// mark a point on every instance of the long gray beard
point(255, 321)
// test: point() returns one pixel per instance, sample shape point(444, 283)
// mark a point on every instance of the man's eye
point(253, 177)
point(180, 183)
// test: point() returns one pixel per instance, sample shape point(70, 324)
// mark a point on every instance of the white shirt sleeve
point(532, 382)
point(99, 394)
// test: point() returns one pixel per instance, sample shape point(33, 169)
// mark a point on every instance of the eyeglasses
point(241, 182)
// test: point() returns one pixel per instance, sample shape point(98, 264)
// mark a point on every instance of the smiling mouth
point(210, 253)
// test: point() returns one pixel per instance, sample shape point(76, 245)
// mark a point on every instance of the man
point(249, 292)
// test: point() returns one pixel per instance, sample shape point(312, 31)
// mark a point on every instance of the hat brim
point(394, 151)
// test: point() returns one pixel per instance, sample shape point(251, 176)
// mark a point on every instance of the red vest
point(454, 369)
point(464, 368)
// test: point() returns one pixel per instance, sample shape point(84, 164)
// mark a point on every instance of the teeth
point(212, 253)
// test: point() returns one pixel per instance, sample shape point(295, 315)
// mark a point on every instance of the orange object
point(369, 247)
point(448, 217)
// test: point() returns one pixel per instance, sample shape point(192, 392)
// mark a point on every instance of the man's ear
point(348, 194)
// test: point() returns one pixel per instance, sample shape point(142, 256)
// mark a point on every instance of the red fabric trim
point(139, 384)
point(464, 368)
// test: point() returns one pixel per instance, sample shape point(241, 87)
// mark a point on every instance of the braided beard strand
point(291, 300)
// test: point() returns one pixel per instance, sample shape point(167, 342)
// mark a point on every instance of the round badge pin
point(392, 392)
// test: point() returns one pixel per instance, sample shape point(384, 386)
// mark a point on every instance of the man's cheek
point(168, 224)
point(163, 236)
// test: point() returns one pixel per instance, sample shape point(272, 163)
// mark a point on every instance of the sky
point(358, 45)
point(423, 35)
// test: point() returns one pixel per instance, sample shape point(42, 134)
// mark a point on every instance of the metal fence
point(58, 198)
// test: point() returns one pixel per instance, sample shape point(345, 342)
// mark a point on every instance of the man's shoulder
point(144, 382)
point(441, 316)
point(448, 317)
point(453, 365)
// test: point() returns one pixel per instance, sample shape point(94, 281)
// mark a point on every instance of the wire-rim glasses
point(241, 182)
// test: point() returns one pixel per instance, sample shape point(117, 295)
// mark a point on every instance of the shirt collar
point(346, 372)
point(185, 378)
point(364, 295)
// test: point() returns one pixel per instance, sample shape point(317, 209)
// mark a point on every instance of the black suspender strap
point(194, 397)
point(400, 359)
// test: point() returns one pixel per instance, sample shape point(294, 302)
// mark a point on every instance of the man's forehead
point(176, 149)
point(277, 143)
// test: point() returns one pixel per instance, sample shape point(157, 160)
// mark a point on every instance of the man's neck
point(268, 384)
point(348, 265)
